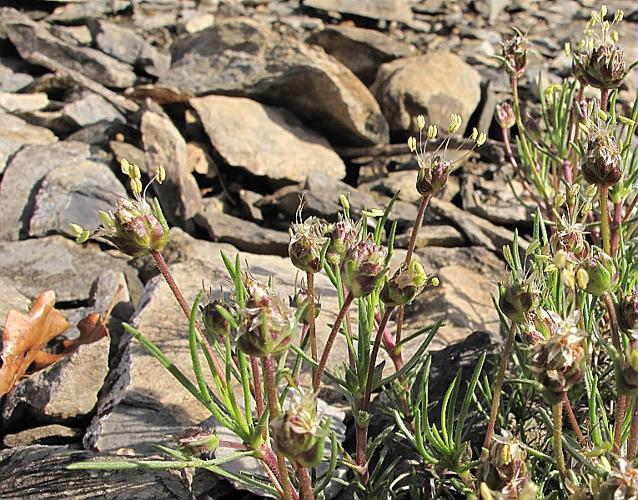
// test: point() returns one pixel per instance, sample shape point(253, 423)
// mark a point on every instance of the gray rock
point(433, 235)
point(390, 10)
point(22, 178)
point(129, 47)
point(10, 298)
point(89, 109)
point(75, 12)
point(288, 151)
point(125, 151)
point(74, 193)
point(18, 103)
point(404, 182)
point(15, 133)
point(244, 235)
point(164, 145)
point(30, 37)
point(320, 195)
point(434, 85)
point(478, 231)
point(494, 200)
point(42, 471)
point(46, 434)
point(361, 50)
point(12, 76)
point(242, 57)
point(55, 263)
point(199, 161)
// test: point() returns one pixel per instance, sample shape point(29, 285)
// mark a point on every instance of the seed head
point(306, 244)
point(405, 284)
point(628, 312)
point(602, 67)
point(343, 235)
point(602, 165)
point(504, 469)
point(621, 483)
point(300, 433)
point(518, 299)
point(215, 322)
point(363, 267)
point(432, 176)
point(626, 367)
point(596, 274)
point(300, 302)
point(514, 53)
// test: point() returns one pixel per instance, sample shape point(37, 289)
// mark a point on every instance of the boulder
point(15, 133)
point(388, 10)
point(434, 85)
point(244, 58)
point(20, 103)
point(74, 193)
point(361, 50)
point(267, 142)
point(90, 109)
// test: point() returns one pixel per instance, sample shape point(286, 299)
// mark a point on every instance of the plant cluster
point(560, 408)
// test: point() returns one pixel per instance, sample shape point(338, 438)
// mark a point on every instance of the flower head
point(363, 267)
point(602, 165)
point(214, 321)
point(621, 483)
point(514, 52)
point(432, 177)
point(266, 324)
point(596, 274)
point(517, 299)
point(306, 244)
point(343, 235)
point(406, 283)
point(628, 311)
point(505, 115)
point(300, 432)
point(504, 468)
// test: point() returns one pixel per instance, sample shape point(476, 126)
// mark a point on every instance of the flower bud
point(602, 67)
point(405, 285)
point(363, 267)
point(300, 301)
point(306, 243)
point(504, 469)
point(516, 300)
point(266, 324)
point(137, 227)
point(432, 177)
point(595, 274)
point(214, 322)
point(602, 165)
point(557, 362)
point(343, 235)
point(299, 433)
point(514, 53)
point(628, 312)
point(505, 115)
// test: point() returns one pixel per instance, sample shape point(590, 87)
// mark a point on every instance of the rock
point(15, 133)
point(433, 235)
point(76, 12)
point(124, 150)
point(361, 50)
point(199, 22)
point(129, 47)
point(90, 109)
point(242, 57)
point(10, 298)
point(162, 94)
point(478, 231)
point(435, 85)
point(74, 193)
point(19, 103)
point(98, 134)
point(31, 38)
point(464, 299)
point(494, 200)
point(164, 145)
point(22, 178)
point(199, 161)
point(244, 235)
point(73, 34)
point(55, 263)
point(46, 434)
point(390, 10)
point(320, 194)
point(64, 390)
point(12, 78)
point(288, 151)
point(42, 471)
point(404, 182)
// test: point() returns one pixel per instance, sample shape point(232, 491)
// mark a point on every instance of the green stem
point(331, 339)
point(557, 414)
point(270, 381)
point(603, 192)
point(311, 317)
point(496, 396)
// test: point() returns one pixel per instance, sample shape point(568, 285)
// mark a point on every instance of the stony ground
point(248, 104)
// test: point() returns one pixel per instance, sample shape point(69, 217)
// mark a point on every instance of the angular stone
point(56, 263)
point(126, 151)
point(19, 103)
point(361, 50)
point(164, 145)
point(75, 12)
point(433, 235)
point(244, 235)
point(15, 133)
point(129, 47)
point(434, 85)
point(288, 151)
point(242, 57)
point(10, 298)
point(91, 108)
point(46, 434)
point(390, 10)
point(13, 75)
point(22, 178)
point(199, 161)
point(43, 471)
point(30, 37)
point(74, 193)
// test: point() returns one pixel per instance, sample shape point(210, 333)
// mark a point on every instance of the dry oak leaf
point(25, 335)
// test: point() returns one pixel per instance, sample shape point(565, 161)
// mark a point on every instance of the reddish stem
point(305, 484)
point(615, 227)
point(567, 406)
point(257, 388)
point(331, 340)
